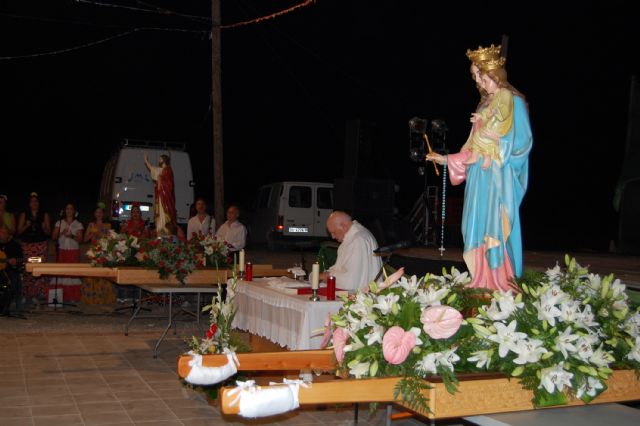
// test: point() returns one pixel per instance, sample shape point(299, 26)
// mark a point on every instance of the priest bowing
point(356, 265)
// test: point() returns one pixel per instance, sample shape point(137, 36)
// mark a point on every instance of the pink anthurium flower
point(397, 344)
point(441, 322)
point(340, 337)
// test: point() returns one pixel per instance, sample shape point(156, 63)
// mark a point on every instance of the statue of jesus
point(164, 206)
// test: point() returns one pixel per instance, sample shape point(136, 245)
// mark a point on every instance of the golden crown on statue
point(484, 54)
point(492, 64)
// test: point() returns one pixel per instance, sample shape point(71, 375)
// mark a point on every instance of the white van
point(126, 179)
point(291, 213)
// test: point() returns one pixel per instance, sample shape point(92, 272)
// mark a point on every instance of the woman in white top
point(201, 223)
point(68, 233)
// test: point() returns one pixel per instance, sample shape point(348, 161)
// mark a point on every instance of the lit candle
point(315, 275)
point(241, 265)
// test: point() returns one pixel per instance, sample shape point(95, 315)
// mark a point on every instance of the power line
point(97, 42)
point(166, 11)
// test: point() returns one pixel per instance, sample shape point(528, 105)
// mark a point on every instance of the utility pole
point(216, 108)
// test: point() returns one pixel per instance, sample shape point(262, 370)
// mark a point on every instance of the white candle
point(315, 275)
point(241, 262)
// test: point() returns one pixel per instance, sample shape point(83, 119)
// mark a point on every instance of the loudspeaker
point(358, 148)
point(359, 196)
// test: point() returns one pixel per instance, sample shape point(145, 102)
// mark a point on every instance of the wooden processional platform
point(477, 393)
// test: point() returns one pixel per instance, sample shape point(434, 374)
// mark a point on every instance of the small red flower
point(212, 331)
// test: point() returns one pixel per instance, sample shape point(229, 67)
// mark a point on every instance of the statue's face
point(475, 74)
point(489, 84)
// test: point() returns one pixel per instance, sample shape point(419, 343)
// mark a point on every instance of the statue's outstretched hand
point(434, 156)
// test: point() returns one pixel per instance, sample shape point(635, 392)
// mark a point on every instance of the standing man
point(356, 265)
point(164, 206)
point(233, 231)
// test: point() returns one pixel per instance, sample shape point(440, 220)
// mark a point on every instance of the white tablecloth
point(263, 308)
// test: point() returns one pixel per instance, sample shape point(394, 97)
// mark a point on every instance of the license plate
point(299, 230)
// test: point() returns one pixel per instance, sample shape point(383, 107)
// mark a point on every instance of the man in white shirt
point(201, 223)
point(356, 265)
point(233, 231)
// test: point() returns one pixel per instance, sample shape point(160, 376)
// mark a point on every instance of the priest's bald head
point(338, 224)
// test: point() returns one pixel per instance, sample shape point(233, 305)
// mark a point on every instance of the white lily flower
point(447, 358)
point(594, 283)
point(104, 244)
point(554, 274)
point(547, 310)
point(600, 357)
point(555, 377)
point(632, 325)
point(208, 250)
point(634, 353)
point(508, 303)
point(113, 234)
point(91, 253)
point(554, 295)
point(459, 278)
point(416, 331)
point(529, 351)
point(122, 246)
point(375, 335)
point(617, 288)
point(360, 369)
point(355, 345)
point(494, 313)
point(135, 243)
point(409, 285)
point(569, 311)
point(386, 302)
point(482, 358)
point(584, 350)
point(506, 337)
point(589, 386)
point(427, 364)
point(431, 296)
point(586, 318)
point(563, 342)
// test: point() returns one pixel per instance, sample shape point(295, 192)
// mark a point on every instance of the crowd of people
point(28, 236)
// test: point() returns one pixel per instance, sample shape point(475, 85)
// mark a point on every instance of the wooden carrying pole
point(475, 396)
point(267, 361)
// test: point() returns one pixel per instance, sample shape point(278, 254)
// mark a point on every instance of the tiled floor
point(104, 378)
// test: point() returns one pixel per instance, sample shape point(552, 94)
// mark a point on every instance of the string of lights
point(271, 16)
point(140, 9)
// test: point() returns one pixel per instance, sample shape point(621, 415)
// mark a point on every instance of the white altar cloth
point(265, 309)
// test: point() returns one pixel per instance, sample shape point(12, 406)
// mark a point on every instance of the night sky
point(291, 84)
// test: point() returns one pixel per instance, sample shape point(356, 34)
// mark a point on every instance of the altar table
point(286, 319)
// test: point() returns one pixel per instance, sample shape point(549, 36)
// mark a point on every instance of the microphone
point(392, 247)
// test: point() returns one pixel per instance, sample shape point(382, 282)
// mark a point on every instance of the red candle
point(248, 272)
point(331, 288)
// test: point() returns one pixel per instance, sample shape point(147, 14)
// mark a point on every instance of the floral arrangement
point(218, 337)
point(116, 250)
point(168, 254)
point(173, 256)
point(563, 334)
point(214, 251)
